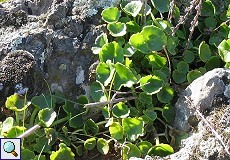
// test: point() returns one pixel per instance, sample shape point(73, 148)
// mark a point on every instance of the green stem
point(17, 117)
point(59, 121)
point(34, 114)
point(158, 109)
point(135, 95)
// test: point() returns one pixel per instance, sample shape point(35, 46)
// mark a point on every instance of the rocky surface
point(203, 111)
point(58, 34)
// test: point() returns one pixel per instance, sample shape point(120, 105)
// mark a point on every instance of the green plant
point(143, 60)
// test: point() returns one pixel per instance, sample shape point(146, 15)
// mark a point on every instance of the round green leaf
point(124, 77)
point(144, 146)
point(90, 127)
point(161, 5)
point(139, 42)
point(192, 75)
point(113, 52)
point(133, 27)
point(169, 113)
point(210, 22)
point(156, 61)
point(133, 8)
point(120, 110)
point(43, 101)
point(188, 56)
point(99, 42)
point(102, 146)
point(64, 152)
point(117, 29)
point(178, 76)
point(165, 95)
point(16, 103)
point(133, 128)
point(183, 67)
point(111, 14)
point(130, 150)
point(155, 37)
point(96, 91)
point(172, 44)
point(161, 150)
point(79, 150)
point(224, 50)
point(204, 51)
point(104, 73)
point(116, 131)
point(150, 113)
point(145, 98)
point(151, 84)
point(15, 131)
point(27, 154)
point(7, 124)
point(208, 9)
point(90, 143)
point(213, 62)
point(46, 116)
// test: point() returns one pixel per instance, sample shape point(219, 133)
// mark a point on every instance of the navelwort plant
point(143, 62)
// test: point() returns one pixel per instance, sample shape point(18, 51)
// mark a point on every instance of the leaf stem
point(32, 118)
point(59, 121)
point(17, 117)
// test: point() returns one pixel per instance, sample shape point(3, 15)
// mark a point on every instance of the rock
point(16, 73)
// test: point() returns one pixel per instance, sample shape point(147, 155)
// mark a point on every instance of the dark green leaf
point(27, 154)
point(120, 110)
point(104, 73)
point(178, 76)
point(192, 75)
point(169, 113)
point(43, 101)
point(213, 62)
point(150, 113)
point(208, 9)
point(15, 131)
point(145, 98)
point(99, 42)
point(204, 51)
point(96, 91)
point(188, 56)
point(133, 27)
point(161, 5)
point(183, 67)
point(47, 116)
point(151, 84)
point(90, 127)
point(156, 61)
point(165, 95)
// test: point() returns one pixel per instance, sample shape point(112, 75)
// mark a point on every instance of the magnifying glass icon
point(9, 147)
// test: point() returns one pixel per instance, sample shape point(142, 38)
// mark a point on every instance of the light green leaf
point(7, 124)
point(16, 103)
point(102, 146)
point(63, 153)
point(133, 8)
point(150, 113)
point(111, 14)
point(90, 143)
point(99, 42)
point(90, 127)
point(161, 150)
point(116, 131)
point(130, 150)
point(133, 128)
point(156, 61)
point(139, 42)
point(133, 27)
point(192, 75)
point(123, 77)
point(151, 84)
point(117, 29)
point(96, 91)
point(113, 52)
point(224, 50)
point(104, 73)
point(144, 146)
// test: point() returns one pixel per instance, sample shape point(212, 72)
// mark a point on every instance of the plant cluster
point(142, 61)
